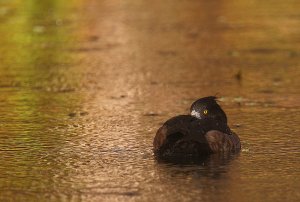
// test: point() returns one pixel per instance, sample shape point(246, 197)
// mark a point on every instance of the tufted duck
point(204, 131)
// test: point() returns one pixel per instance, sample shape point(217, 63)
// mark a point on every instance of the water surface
point(85, 85)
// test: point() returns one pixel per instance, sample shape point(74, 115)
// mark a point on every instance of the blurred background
point(84, 85)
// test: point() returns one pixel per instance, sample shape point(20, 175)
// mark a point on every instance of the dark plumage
point(203, 132)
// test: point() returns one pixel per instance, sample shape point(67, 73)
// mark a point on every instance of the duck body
point(203, 132)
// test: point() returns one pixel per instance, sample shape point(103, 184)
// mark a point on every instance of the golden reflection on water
point(85, 85)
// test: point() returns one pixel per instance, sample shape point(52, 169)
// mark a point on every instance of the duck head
point(207, 108)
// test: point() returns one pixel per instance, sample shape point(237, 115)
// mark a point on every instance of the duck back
point(181, 135)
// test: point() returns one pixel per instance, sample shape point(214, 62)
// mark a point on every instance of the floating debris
point(167, 53)
point(38, 29)
point(4, 11)
point(234, 53)
point(83, 113)
point(93, 38)
point(267, 91)
point(238, 75)
point(237, 125)
point(151, 114)
point(239, 99)
point(59, 22)
point(118, 97)
point(72, 114)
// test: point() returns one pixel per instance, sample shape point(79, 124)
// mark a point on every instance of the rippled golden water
point(85, 84)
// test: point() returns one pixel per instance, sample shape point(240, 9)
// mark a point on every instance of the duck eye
point(205, 111)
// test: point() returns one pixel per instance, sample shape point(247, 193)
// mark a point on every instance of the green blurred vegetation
point(33, 71)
